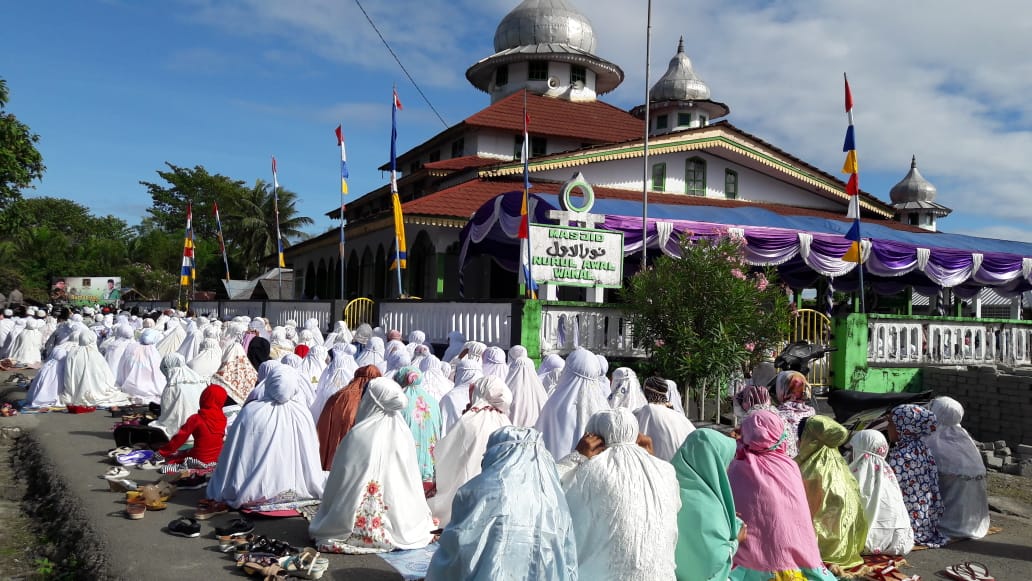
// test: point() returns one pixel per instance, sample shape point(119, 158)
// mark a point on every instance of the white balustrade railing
point(279, 312)
point(489, 323)
point(606, 331)
point(936, 342)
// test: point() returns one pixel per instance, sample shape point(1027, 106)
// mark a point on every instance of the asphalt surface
point(76, 445)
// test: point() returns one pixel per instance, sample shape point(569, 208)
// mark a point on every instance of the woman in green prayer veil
point(833, 494)
point(708, 530)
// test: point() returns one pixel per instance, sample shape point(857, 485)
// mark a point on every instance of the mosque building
point(545, 61)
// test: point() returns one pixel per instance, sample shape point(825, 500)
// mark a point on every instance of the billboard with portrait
point(86, 290)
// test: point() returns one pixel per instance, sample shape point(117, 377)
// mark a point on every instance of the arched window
point(695, 176)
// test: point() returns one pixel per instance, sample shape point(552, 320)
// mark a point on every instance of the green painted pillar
point(849, 362)
point(526, 327)
point(441, 266)
point(957, 304)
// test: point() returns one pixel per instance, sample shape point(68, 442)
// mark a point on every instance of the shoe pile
point(7, 410)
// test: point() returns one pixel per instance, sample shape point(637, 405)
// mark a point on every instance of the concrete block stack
point(999, 457)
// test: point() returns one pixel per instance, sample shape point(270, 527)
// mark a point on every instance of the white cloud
point(943, 79)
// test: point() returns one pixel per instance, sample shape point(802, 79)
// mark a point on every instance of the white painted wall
point(752, 186)
point(518, 73)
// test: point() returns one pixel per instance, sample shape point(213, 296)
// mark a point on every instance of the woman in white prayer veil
point(373, 354)
point(674, 396)
point(658, 420)
point(626, 390)
point(434, 381)
point(419, 352)
point(88, 380)
point(17, 329)
point(575, 400)
point(374, 501)
point(175, 334)
point(340, 334)
point(307, 390)
point(397, 359)
point(192, 342)
point(140, 369)
point(550, 371)
point(314, 363)
point(456, 343)
point(46, 387)
point(208, 359)
point(528, 397)
point(495, 364)
point(271, 450)
point(459, 453)
point(415, 339)
point(515, 352)
point(962, 477)
point(458, 397)
point(27, 347)
point(887, 515)
point(624, 503)
point(280, 346)
point(115, 348)
point(181, 397)
point(337, 376)
point(312, 325)
point(603, 378)
point(511, 521)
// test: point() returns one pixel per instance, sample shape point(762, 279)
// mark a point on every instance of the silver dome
point(913, 188)
point(544, 22)
point(680, 83)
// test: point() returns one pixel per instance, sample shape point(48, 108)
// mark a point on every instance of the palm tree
point(251, 224)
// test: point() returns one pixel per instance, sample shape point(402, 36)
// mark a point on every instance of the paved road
point(75, 445)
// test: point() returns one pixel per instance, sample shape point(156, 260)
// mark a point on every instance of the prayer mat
point(412, 565)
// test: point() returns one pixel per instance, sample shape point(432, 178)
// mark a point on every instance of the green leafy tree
point(251, 224)
point(703, 316)
point(195, 185)
point(20, 161)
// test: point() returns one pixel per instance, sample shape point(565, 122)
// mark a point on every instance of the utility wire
point(407, 74)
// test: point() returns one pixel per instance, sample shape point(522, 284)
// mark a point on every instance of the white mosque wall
point(519, 71)
point(502, 145)
point(753, 186)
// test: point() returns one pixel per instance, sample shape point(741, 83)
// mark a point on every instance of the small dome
point(544, 22)
point(680, 83)
point(913, 188)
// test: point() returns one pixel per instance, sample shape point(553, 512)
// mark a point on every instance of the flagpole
point(853, 191)
point(645, 170)
point(343, 191)
point(279, 237)
point(222, 240)
point(394, 187)
point(529, 283)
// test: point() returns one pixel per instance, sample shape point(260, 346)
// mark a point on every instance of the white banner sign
point(568, 256)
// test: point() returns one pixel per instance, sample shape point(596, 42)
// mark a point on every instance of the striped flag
point(401, 254)
point(222, 239)
point(852, 168)
point(343, 160)
point(275, 204)
point(526, 275)
point(189, 270)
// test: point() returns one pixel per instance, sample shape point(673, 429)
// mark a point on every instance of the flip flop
point(969, 571)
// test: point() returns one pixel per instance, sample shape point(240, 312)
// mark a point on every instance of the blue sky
point(116, 88)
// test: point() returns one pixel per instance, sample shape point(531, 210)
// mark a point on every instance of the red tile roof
point(464, 162)
point(462, 200)
point(586, 121)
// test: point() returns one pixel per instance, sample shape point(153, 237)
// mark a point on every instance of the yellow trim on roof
point(678, 145)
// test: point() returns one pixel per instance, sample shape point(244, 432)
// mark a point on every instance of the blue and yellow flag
point(851, 167)
point(400, 257)
point(189, 270)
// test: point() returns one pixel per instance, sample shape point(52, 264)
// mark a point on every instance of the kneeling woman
point(374, 499)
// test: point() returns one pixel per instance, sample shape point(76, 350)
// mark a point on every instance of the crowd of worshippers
point(521, 472)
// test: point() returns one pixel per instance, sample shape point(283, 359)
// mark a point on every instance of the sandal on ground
point(119, 451)
point(268, 572)
point(135, 509)
point(157, 505)
point(303, 564)
point(185, 527)
point(264, 559)
point(121, 485)
point(969, 571)
point(208, 508)
point(117, 473)
point(233, 544)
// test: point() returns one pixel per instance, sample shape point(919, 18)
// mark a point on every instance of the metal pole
point(645, 170)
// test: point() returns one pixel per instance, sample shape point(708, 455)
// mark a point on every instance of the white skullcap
point(8, 313)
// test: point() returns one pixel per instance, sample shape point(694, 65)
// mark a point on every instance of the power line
point(407, 74)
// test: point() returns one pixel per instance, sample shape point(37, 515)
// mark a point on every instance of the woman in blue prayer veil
point(511, 521)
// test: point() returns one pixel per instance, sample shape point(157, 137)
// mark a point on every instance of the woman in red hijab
point(338, 416)
point(208, 428)
point(301, 351)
